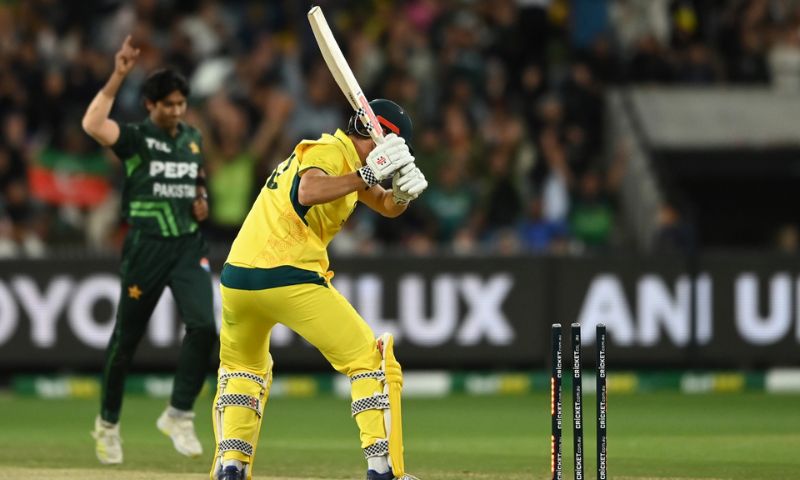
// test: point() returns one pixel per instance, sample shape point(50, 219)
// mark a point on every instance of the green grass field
point(651, 436)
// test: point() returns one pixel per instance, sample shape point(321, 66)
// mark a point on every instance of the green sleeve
point(201, 147)
point(128, 141)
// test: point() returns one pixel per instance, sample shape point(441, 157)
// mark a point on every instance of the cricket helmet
point(392, 117)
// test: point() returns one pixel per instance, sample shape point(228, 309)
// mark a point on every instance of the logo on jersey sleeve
point(194, 148)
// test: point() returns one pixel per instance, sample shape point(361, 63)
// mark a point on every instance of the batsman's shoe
point(181, 431)
point(231, 473)
point(373, 475)
point(108, 443)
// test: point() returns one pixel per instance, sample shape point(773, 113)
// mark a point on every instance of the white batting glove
point(407, 184)
point(385, 159)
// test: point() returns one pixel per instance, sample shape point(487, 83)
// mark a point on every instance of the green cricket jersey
point(160, 177)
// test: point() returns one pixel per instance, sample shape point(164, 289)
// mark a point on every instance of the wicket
point(577, 401)
point(555, 403)
point(602, 394)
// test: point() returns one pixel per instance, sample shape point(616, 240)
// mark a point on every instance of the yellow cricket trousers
point(319, 314)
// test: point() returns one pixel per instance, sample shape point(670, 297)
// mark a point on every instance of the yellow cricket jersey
point(283, 239)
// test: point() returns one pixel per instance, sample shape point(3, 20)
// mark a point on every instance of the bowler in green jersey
point(163, 200)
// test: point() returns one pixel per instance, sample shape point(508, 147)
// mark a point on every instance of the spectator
point(532, 87)
point(784, 60)
point(788, 239)
point(318, 107)
point(686, 24)
point(673, 234)
point(357, 236)
point(589, 20)
point(558, 179)
point(501, 98)
point(452, 204)
point(21, 219)
point(604, 62)
point(505, 242)
point(461, 143)
point(16, 208)
point(649, 64)
point(506, 45)
point(73, 177)
point(696, 66)
point(749, 64)
point(584, 104)
point(539, 235)
point(546, 131)
point(233, 155)
point(502, 201)
point(591, 218)
point(634, 19)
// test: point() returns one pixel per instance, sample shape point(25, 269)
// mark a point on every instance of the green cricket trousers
point(149, 264)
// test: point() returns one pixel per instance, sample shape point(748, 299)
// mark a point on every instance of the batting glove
point(407, 184)
point(385, 159)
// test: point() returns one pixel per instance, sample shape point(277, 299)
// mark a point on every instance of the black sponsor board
point(443, 313)
point(719, 310)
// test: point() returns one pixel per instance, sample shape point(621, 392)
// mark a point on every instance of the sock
point(175, 413)
point(236, 463)
point(106, 424)
point(378, 464)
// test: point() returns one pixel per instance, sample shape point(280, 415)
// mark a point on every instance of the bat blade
point(342, 73)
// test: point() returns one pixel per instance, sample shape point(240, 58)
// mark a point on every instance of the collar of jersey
point(162, 132)
point(348, 144)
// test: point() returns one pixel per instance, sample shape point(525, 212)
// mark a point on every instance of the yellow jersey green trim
point(241, 278)
point(348, 145)
point(299, 208)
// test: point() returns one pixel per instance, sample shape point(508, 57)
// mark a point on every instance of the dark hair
point(163, 82)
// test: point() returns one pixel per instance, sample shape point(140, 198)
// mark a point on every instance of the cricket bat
point(342, 73)
point(347, 82)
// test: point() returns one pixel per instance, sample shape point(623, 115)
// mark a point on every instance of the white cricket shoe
point(181, 431)
point(108, 443)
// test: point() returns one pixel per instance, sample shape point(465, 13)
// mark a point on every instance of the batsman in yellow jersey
point(277, 272)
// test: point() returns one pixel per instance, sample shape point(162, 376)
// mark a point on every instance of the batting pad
point(369, 402)
point(393, 416)
point(381, 390)
point(238, 408)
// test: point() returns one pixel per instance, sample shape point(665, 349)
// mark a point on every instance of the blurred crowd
point(507, 98)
